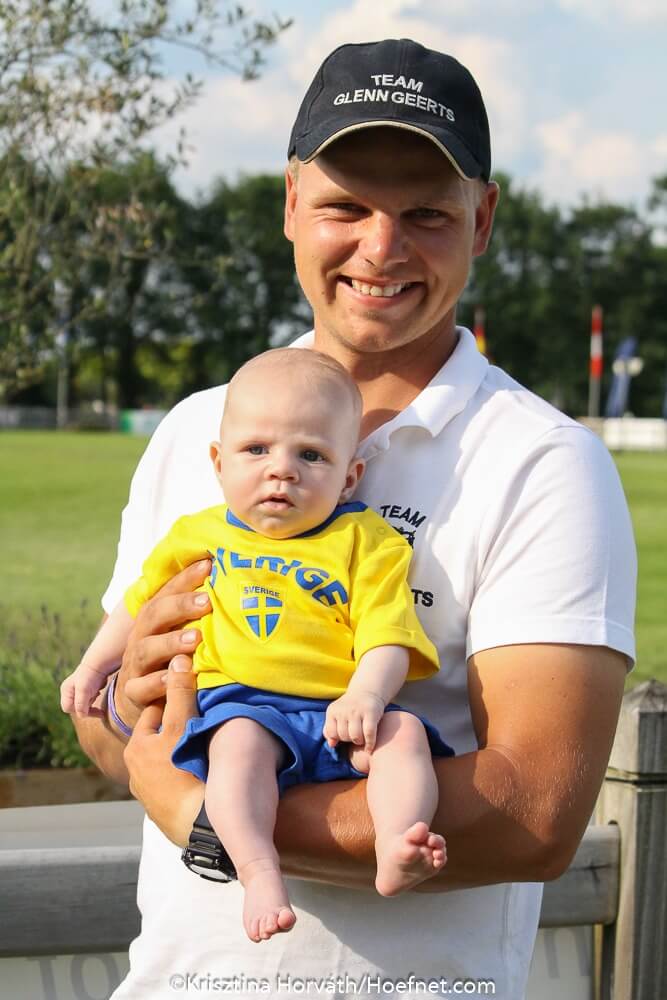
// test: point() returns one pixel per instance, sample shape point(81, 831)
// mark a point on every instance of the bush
point(38, 652)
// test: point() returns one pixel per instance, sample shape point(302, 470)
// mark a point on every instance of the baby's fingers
point(82, 701)
point(370, 734)
point(330, 732)
point(355, 730)
point(67, 695)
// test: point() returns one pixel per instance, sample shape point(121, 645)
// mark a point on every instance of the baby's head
point(288, 441)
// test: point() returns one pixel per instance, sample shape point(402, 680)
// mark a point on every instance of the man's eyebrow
point(438, 192)
point(331, 190)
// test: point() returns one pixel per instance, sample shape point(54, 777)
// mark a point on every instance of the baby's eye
point(256, 449)
point(310, 455)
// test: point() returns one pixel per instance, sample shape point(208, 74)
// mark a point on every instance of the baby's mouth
point(278, 500)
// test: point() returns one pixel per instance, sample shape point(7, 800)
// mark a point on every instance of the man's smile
point(379, 294)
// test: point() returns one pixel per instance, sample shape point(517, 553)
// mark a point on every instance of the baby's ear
point(215, 451)
point(354, 473)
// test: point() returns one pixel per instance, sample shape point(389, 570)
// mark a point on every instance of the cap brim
point(447, 142)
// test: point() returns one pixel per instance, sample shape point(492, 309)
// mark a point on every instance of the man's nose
point(383, 242)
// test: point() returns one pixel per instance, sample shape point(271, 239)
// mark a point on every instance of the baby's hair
point(311, 366)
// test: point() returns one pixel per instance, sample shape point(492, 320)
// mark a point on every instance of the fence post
point(631, 957)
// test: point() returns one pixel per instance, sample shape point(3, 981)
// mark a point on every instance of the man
point(523, 576)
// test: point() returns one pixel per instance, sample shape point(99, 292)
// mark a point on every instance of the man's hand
point(156, 638)
point(171, 797)
point(354, 718)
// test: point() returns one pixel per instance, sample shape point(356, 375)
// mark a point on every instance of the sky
point(575, 90)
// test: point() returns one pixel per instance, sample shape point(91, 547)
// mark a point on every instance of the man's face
point(384, 232)
point(286, 453)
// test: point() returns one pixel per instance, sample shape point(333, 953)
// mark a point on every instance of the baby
point(312, 633)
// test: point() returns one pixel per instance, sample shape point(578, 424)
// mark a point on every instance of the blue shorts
point(298, 722)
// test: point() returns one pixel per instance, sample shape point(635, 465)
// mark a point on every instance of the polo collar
point(446, 395)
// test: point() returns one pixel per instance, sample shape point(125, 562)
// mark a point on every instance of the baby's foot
point(266, 909)
point(406, 859)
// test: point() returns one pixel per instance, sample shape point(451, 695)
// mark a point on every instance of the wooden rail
point(87, 896)
point(78, 900)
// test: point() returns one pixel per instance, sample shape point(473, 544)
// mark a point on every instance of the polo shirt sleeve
point(138, 523)
point(382, 609)
point(556, 554)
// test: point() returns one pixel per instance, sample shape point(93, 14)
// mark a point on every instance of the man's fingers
point(142, 691)
point(149, 721)
point(166, 612)
point(181, 694)
point(188, 579)
point(157, 650)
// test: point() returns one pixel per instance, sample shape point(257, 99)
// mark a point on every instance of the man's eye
point(427, 214)
point(256, 449)
point(310, 455)
point(344, 207)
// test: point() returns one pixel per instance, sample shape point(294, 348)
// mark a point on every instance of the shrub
point(38, 651)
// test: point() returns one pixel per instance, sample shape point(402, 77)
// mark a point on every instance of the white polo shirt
point(521, 534)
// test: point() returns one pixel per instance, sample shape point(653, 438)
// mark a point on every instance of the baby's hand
point(353, 718)
point(79, 690)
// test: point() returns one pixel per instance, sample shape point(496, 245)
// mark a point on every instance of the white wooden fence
point(74, 900)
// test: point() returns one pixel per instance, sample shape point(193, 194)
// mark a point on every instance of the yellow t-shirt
point(294, 615)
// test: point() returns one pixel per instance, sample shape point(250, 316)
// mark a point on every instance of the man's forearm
point(101, 743)
point(325, 832)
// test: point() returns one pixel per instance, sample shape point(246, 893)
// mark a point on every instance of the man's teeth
point(384, 291)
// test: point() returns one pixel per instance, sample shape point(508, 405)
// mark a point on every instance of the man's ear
point(484, 215)
point(354, 473)
point(215, 451)
point(290, 205)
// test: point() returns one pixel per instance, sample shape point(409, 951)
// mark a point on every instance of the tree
point(85, 87)
point(218, 287)
point(241, 270)
point(119, 296)
point(544, 271)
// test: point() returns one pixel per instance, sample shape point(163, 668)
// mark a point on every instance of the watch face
point(212, 868)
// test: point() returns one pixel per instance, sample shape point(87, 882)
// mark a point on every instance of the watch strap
point(205, 853)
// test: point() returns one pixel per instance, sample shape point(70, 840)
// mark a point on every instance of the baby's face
point(286, 454)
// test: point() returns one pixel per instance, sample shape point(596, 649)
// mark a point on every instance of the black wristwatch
point(205, 854)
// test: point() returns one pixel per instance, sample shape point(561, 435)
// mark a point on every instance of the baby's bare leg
point(241, 801)
point(402, 798)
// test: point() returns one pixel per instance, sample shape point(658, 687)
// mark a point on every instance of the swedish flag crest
point(262, 613)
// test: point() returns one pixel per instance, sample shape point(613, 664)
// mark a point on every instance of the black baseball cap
point(400, 83)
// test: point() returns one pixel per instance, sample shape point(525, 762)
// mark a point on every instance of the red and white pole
point(595, 370)
point(478, 330)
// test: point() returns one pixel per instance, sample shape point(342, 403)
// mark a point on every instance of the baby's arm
point(354, 717)
point(78, 691)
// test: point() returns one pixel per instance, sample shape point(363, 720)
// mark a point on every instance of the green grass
point(644, 476)
point(61, 495)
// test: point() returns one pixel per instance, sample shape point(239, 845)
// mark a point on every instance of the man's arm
point(514, 810)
